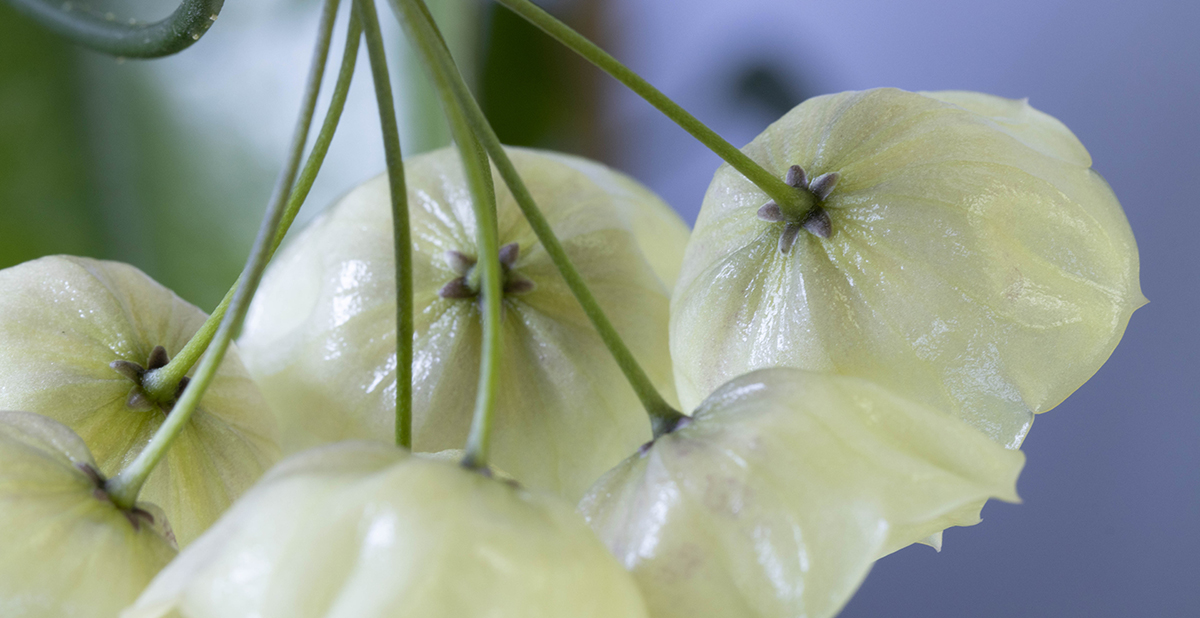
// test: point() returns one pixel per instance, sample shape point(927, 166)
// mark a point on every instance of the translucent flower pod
point(783, 488)
point(75, 333)
point(365, 530)
point(65, 549)
point(660, 234)
point(961, 252)
point(320, 335)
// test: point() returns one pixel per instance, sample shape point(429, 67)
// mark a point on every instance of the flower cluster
point(857, 365)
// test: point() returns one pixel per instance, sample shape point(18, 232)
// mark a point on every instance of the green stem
point(124, 487)
point(428, 44)
point(796, 204)
point(663, 416)
point(161, 384)
point(487, 238)
point(400, 233)
point(174, 34)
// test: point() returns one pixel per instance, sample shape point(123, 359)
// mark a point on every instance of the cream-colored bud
point(365, 530)
point(784, 487)
point(972, 259)
point(320, 336)
point(65, 548)
point(74, 332)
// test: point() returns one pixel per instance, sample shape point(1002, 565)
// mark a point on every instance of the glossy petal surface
point(661, 235)
point(784, 489)
point(976, 262)
point(364, 530)
point(63, 320)
point(320, 337)
point(65, 550)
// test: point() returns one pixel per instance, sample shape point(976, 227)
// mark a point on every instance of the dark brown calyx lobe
point(467, 284)
point(816, 222)
point(136, 516)
point(663, 428)
point(139, 400)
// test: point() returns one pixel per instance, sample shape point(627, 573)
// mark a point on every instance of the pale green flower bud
point(779, 493)
point(364, 530)
point(962, 252)
point(66, 551)
point(320, 336)
point(76, 333)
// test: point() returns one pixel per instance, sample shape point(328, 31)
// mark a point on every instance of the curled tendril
point(126, 39)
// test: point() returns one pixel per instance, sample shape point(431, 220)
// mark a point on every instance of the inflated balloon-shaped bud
point(65, 548)
point(959, 250)
point(76, 337)
point(779, 493)
point(320, 336)
point(365, 530)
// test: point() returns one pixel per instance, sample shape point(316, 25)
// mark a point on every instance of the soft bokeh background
point(168, 165)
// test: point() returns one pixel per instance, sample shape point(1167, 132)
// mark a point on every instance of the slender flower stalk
point(125, 38)
point(421, 29)
point(161, 384)
point(365, 9)
point(483, 198)
point(795, 204)
point(124, 487)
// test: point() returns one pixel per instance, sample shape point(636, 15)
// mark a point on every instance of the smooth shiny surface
point(976, 263)
point(319, 338)
point(364, 530)
point(63, 320)
point(777, 498)
point(65, 550)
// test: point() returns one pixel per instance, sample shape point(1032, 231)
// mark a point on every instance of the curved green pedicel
point(126, 485)
point(973, 260)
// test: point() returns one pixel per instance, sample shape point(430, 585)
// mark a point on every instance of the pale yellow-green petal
point(976, 263)
point(784, 489)
point(362, 530)
point(661, 234)
point(1033, 127)
point(320, 334)
point(65, 550)
point(64, 320)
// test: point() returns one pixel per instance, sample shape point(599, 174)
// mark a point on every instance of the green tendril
point(126, 39)
point(124, 487)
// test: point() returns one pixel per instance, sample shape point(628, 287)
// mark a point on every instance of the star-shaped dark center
point(135, 515)
point(816, 222)
point(138, 399)
point(466, 285)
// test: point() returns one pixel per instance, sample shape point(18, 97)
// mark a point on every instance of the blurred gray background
point(168, 165)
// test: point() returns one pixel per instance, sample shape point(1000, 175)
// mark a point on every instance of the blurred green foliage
point(45, 185)
point(534, 91)
point(97, 157)
point(94, 162)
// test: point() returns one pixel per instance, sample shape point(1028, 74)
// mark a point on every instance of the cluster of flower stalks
point(856, 368)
